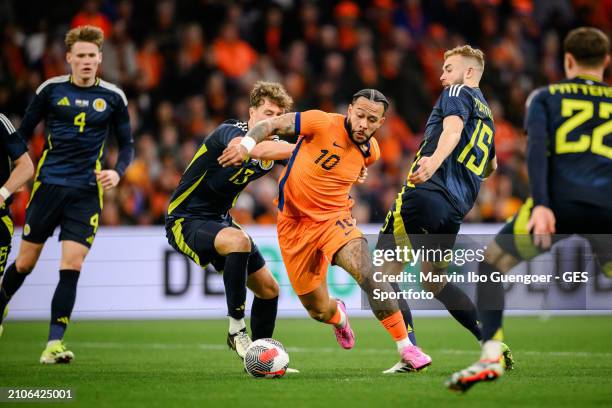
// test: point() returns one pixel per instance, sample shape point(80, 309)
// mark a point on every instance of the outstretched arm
point(283, 125)
point(268, 149)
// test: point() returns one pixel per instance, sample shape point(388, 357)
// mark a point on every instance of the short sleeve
point(455, 101)
point(312, 122)
point(224, 134)
point(15, 146)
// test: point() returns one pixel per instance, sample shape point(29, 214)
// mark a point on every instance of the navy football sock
point(10, 284)
point(490, 303)
point(63, 303)
point(263, 317)
point(234, 280)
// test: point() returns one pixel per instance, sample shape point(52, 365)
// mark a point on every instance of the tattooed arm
point(282, 126)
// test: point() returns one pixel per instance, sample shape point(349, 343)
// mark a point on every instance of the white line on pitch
point(390, 350)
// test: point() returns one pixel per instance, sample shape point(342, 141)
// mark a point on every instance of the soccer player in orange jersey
point(315, 225)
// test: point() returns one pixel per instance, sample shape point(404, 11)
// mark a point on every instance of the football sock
point(461, 307)
point(339, 318)
point(396, 327)
point(263, 317)
point(235, 325)
point(63, 303)
point(234, 280)
point(490, 302)
point(11, 282)
point(406, 314)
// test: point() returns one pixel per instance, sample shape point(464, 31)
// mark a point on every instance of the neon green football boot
point(56, 353)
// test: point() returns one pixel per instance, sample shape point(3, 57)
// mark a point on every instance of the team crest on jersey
point(99, 104)
point(266, 164)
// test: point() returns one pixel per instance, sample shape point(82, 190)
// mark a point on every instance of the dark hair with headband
point(373, 95)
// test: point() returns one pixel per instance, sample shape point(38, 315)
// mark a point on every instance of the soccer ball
point(266, 358)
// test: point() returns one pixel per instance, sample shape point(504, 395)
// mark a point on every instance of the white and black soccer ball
point(266, 358)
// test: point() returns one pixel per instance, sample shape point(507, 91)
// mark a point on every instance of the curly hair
point(274, 91)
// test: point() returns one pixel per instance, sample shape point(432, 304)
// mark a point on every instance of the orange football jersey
point(324, 165)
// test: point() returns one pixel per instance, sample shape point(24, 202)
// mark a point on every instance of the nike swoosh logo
point(348, 232)
point(337, 145)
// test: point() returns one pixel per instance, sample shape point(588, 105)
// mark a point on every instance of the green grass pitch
point(561, 361)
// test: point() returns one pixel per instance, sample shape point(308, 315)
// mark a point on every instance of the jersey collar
point(96, 82)
point(588, 77)
point(363, 148)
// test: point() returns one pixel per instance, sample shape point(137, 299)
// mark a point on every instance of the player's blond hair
point(468, 52)
point(85, 33)
point(274, 91)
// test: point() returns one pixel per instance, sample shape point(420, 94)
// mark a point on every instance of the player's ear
point(568, 61)
point(100, 57)
point(69, 57)
point(469, 73)
point(606, 61)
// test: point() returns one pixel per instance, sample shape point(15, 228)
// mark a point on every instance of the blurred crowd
point(188, 65)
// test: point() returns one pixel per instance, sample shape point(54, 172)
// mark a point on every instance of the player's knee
point(233, 240)
point(24, 265)
point(506, 262)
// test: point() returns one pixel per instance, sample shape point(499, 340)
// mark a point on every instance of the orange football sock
point(395, 325)
point(335, 319)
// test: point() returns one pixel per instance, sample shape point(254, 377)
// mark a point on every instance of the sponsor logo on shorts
point(26, 230)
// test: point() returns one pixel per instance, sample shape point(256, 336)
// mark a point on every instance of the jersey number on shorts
point(242, 176)
point(482, 130)
point(344, 224)
point(585, 112)
point(329, 162)
point(79, 120)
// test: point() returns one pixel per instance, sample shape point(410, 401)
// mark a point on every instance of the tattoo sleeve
point(283, 125)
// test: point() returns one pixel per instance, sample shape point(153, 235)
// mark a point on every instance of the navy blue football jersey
point(461, 173)
point(12, 147)
point(207, 190)
point(569, 124)
point(78, 120)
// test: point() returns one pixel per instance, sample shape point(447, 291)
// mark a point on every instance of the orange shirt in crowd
point(234, 58)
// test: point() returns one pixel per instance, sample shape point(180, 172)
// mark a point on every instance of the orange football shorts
point(308, 247)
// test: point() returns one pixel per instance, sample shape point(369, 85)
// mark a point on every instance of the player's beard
point(350, 126)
